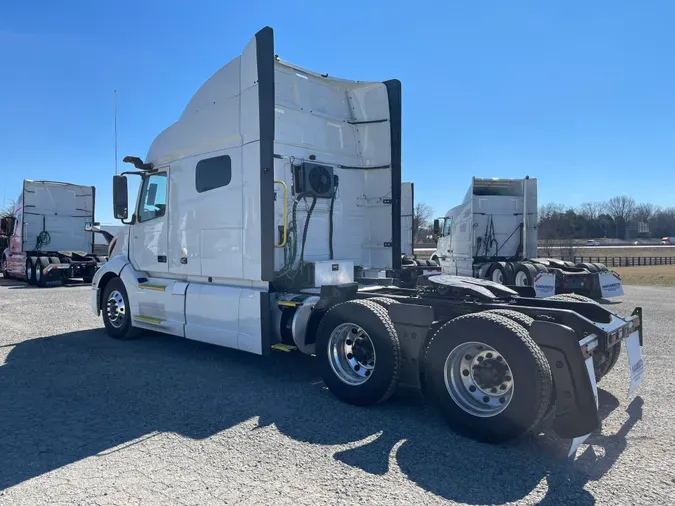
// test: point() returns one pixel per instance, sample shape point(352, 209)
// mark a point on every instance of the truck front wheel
point(490, 380)
point(117, 311)
point(359, 352)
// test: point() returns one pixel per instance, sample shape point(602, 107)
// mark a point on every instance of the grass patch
point(659, 275)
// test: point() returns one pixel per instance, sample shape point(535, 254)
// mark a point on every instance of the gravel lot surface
point(88, 420)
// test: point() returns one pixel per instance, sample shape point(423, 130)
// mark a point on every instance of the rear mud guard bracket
point(412, 325)
point(576, 411)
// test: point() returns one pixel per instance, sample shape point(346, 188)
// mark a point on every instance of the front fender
point(114, 265)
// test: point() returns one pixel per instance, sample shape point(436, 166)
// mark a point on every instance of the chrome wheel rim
point(38, 272)
point(116, 309)
point(521, 279)
point(497, 276)
point(479, 379)
point(351, 354)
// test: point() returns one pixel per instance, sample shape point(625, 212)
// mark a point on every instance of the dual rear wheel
point(489, 379)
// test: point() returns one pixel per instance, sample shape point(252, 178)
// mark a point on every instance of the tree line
point(618, 218)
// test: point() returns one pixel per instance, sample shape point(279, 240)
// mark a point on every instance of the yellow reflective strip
point(149, 319)
point(159, 288)
point(289, 303)
point(283, 347)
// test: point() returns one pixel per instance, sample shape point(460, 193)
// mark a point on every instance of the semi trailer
point(269, 217)
point(48, 243)
point(493, 235)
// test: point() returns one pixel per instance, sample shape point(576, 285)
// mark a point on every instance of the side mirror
point(120, 198)
point(437, 227)
point(92, 227)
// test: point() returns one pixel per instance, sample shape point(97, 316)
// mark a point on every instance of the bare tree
point(645, 212)
point(421, 219)
point(591, 210)
point(622, 209)
point(7, 210)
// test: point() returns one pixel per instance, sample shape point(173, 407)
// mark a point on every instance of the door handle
point(161, 259)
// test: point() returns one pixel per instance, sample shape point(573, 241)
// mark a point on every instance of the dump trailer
point(49, 243)
point(493, 235)
point(267, 215)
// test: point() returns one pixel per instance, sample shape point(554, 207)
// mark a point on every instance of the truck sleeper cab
point(49, 243)
point(493, 235)
point(269, 215)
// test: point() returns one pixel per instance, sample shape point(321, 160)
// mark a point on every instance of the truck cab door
point(149, 237)
point(444, 247)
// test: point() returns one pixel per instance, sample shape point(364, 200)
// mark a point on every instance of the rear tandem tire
point(525, 274)
point(385, 302)
point(531, 375)
point(30, 270)
point(116, 316)
point(41, 264)
point(374, 320)
point(522, 319)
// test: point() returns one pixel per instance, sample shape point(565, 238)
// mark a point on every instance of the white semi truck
point(493, 235)
point(265, 218)
point(48, 243)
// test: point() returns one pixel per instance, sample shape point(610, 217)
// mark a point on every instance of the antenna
point(115, 114)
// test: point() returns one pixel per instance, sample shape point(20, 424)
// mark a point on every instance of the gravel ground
point(88, 420)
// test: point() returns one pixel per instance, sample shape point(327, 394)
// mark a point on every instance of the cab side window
point(446, 226)
point(153, 197)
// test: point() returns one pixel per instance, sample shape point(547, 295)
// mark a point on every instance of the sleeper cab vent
point(314, 180)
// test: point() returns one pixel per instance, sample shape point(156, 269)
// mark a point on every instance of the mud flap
point(576, 442)
point(544, 285)
point(610, 284)
point(636, 366)
point(635, 362)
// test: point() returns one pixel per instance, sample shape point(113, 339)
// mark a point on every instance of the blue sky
point(580, 95)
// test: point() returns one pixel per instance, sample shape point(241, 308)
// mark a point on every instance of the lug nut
point(367, 373)
point(507, 378)
point(349, 356)
point(479, 347)
point(472, 388)
point(480, 359)
point(502, 400)
point(465, 372)
point(357, 367)
point(499, 358)
point(467, 357)
point(488, 355)
point(502, 387)
point(349, 342)
point(353, 331)
point(486, 399)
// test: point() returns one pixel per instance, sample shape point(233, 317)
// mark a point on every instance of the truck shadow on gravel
point(71, 396)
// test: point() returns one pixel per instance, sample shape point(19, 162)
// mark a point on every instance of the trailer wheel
point(385, 302)
point(525, 274)
point(359, 352)
point(488, 377)
point(40, 278)
point(117, 311)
